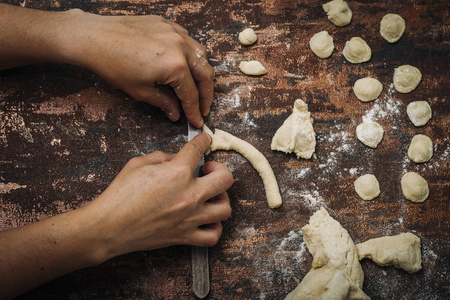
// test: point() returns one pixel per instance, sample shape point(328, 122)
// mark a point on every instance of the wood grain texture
point(65, 134)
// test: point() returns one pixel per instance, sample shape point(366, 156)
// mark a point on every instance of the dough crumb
point(338, 12)
point(252, 67)
point(414, 187)
point(406, 78)
point(392, 27)
point(370, 133)
point(419, 112)
point(367, 89)
point(357, 51)
point(297, 133)
point(402, 251)
point(322, 44)
point(421, 149)
point(247, 37)
point(367, 187)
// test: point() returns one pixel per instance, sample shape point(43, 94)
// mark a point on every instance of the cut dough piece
point(367, 187)
point(252, 67)
point(406, 78)
point(357, 51)
point(414, 187)
point(222, 140)
point(367, 89)
point(322, 44)
point(419, 112)
point(392, 27)
point(421, 149)
point(402, 251)
point(247, 36)
point(338, 12)
point(336, 272)
point(370, 133)
point(297, 133)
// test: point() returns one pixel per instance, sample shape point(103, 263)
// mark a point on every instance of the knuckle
point(177, 39)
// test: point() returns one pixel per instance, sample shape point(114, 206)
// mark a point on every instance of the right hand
point(155, 202)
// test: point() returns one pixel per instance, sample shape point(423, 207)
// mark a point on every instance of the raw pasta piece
point(336, 272)
point(222, 140)
point(414, 187)
point(322, 44)
point(338, 12)
point(392, 27)
point(297, 133)
point(370, 133)
point(252, 67)
point(367, 89)
point(406, 78)
point(367, 187)
point(421, 149)
point(357, 51)
point(247, 37)
point(402, 251)
point(419, 112)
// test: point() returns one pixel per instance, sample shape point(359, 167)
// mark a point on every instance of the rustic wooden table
point(65, 134)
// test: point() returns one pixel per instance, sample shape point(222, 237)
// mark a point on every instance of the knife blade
point(199, 259)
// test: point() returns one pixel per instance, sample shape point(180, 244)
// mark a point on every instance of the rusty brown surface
point(65, 134)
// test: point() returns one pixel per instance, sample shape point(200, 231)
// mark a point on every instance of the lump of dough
point(414, 187)
point(338, 12)
point(419, 112)
point(247, 36)
point(421, 149)
point(297, 133)
point(370, 133)
point(367, 89)
point(322, 44)
point(402, 251)
point(222, 140)
point(357, 51)
point(392, 27)
point(367, 187)
point(252, 67)
point(336, 272)
point(406, 78)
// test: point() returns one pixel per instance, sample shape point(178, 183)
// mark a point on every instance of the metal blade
point(200, 261)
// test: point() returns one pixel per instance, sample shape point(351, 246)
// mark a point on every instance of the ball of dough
point(247, 37)
point(414, 187)
point(338, 12)
point(357, 51)
point(419, 112)
point(252, 67)
point(367, 187)
point(392, 27)
point(421, 149)
point(367, 89)
point(322, 44)
point(370, 133)
point(406, 78)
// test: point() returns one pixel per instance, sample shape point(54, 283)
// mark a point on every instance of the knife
point(200, 262)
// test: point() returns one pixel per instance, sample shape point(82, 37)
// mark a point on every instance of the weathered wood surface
point(65, 134)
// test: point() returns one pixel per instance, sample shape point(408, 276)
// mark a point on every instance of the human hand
point(143, 54)
point(156, 202)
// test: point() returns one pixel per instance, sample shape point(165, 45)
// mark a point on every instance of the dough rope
point(222, 140)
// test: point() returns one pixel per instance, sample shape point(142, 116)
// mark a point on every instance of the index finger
point(192, 152)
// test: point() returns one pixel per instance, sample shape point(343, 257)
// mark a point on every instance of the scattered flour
point(387, 107)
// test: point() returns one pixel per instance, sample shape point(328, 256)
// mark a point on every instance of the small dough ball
point(322, 44)
point(252, 67)
point(338, 12)
point(414, 187)
point(421, 149)
point(367, 187)
point(406, 78)
point(370, 133)
point(392, 27)
point(357, 51)
point(367, 89)
point(419, 112)
point(247, 37)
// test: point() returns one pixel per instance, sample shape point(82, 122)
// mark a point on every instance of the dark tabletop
point(65, 134)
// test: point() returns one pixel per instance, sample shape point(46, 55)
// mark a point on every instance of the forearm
point(36, 253)
point(33, 36)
